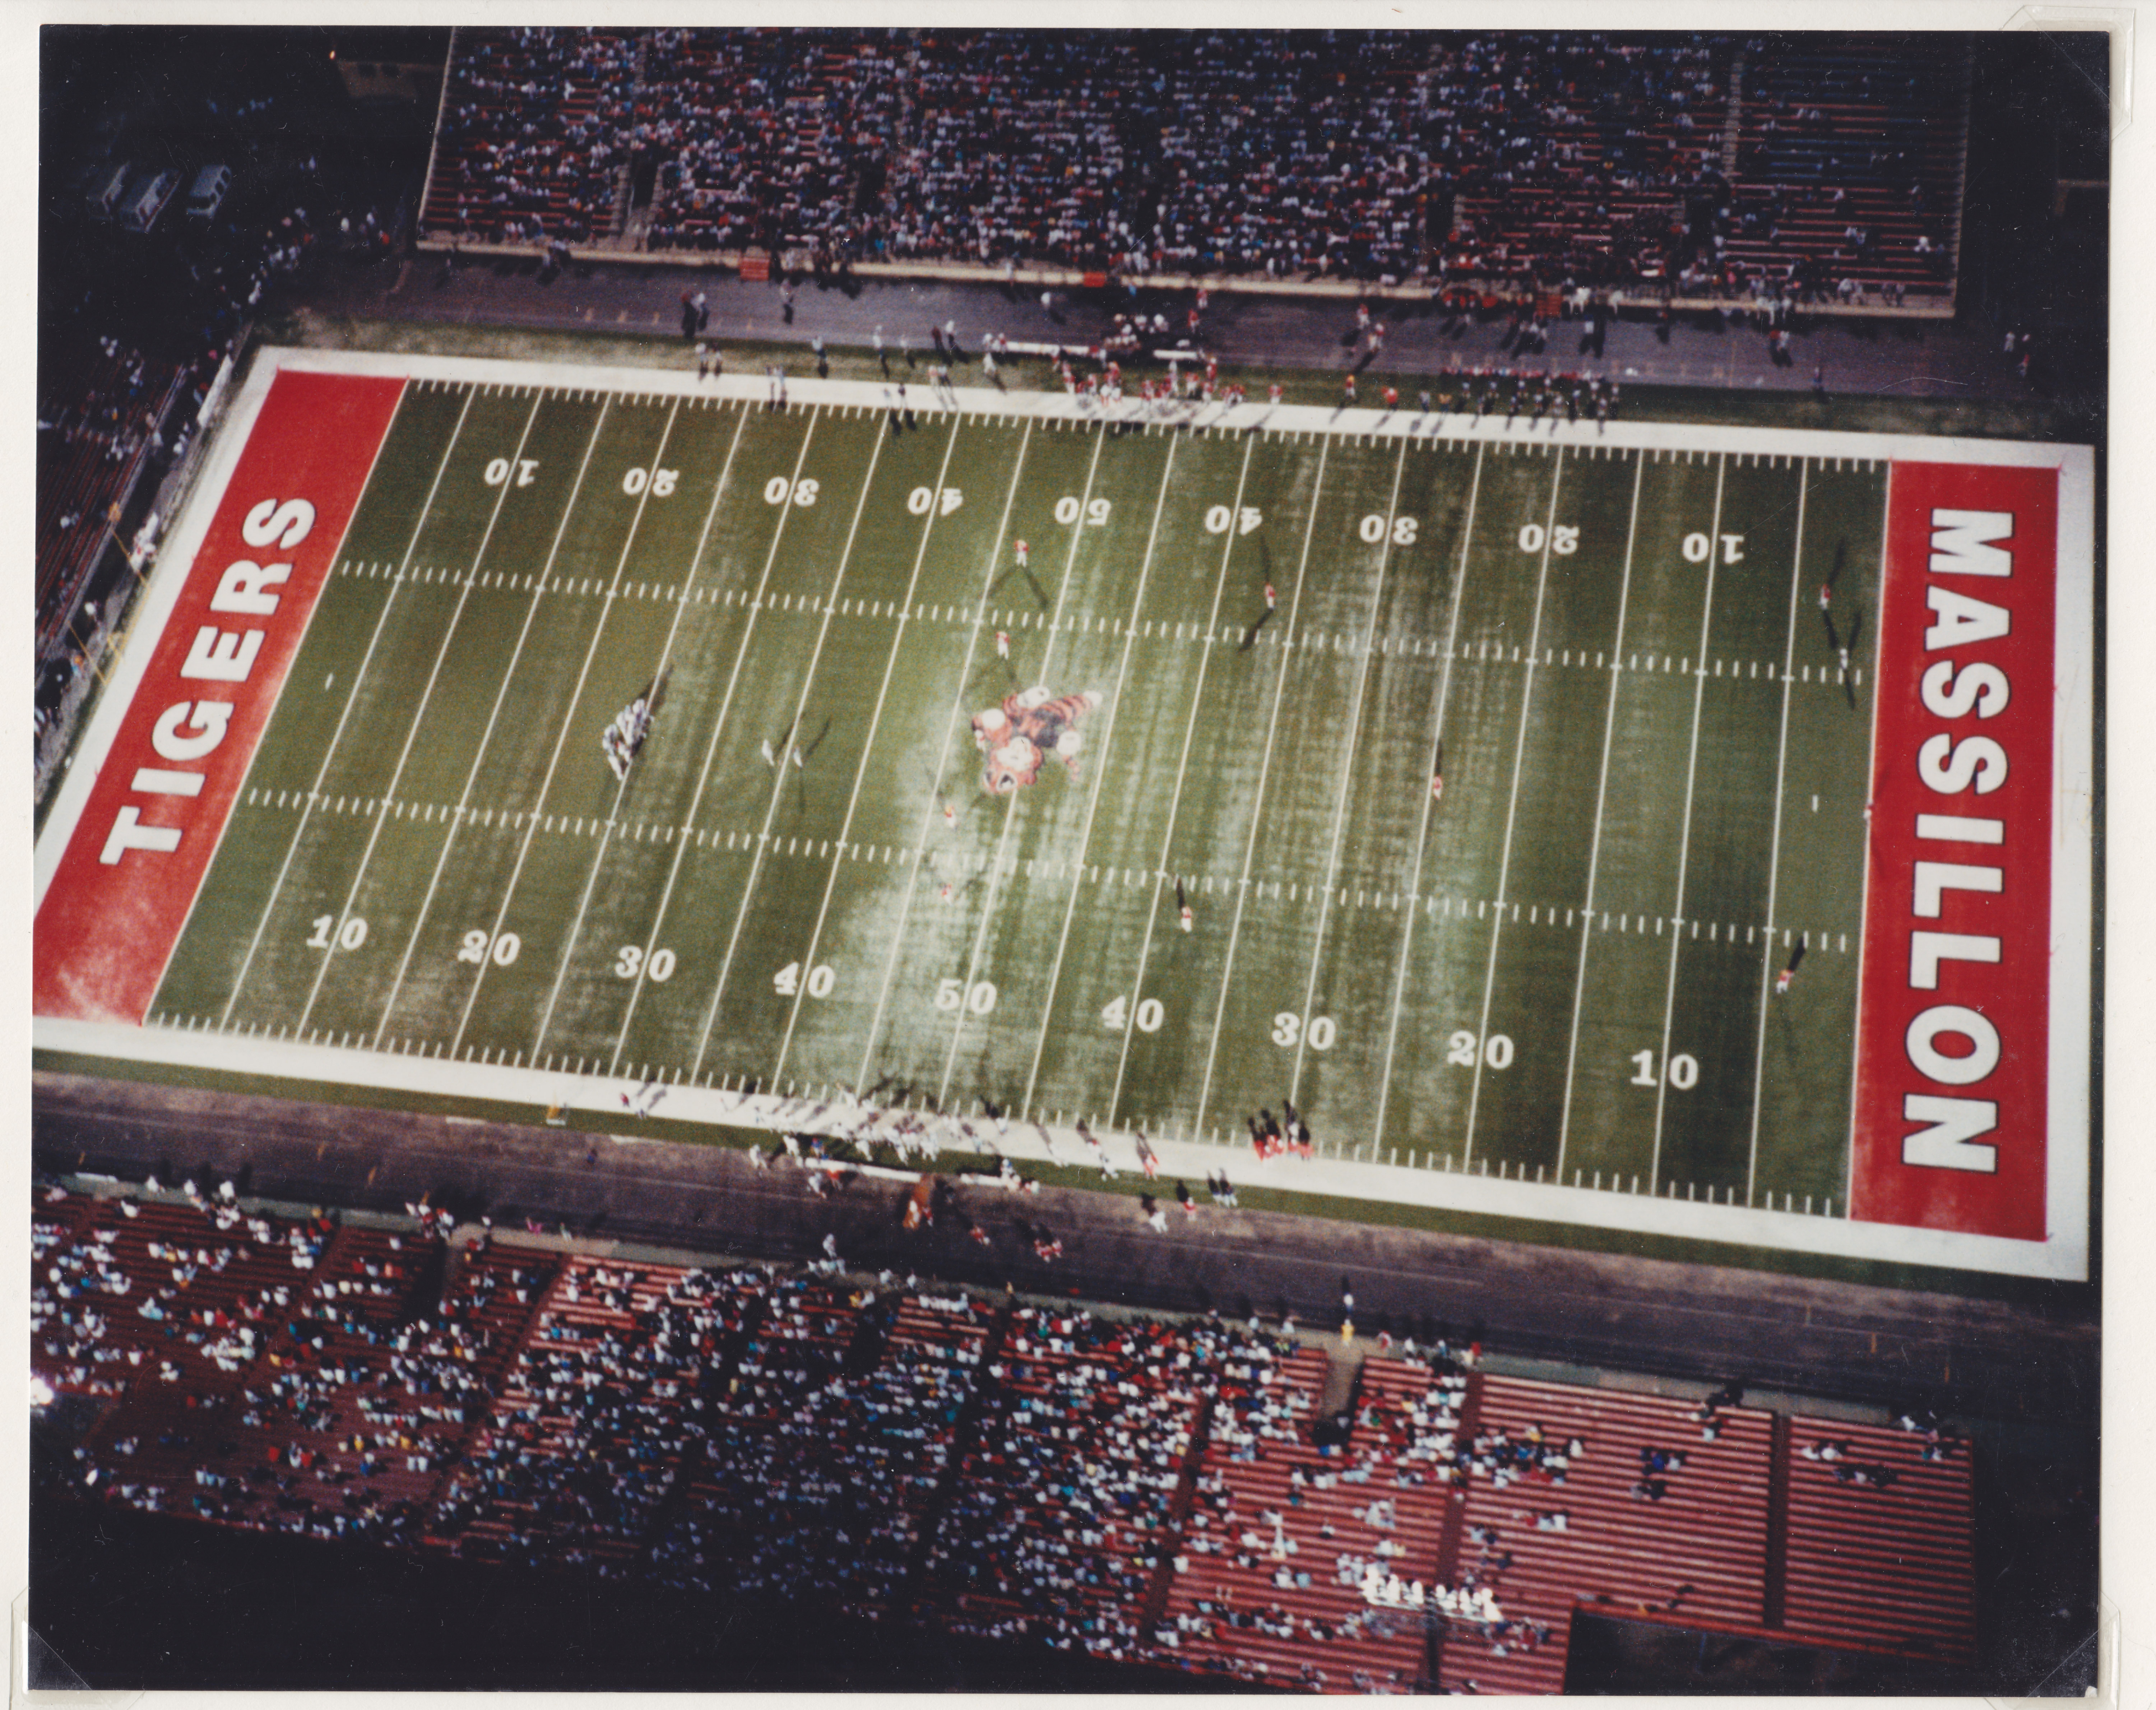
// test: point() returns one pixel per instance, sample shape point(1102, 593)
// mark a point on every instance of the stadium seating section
point(1816, 167)
point(1177, 1495)
point(100, 435)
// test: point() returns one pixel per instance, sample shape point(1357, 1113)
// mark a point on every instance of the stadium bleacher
point(1714, 165)
point(102, 430)
point(1174, 1495)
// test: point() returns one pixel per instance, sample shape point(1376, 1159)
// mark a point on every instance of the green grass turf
point(1423, 978)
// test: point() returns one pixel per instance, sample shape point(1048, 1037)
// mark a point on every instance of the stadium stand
point(531, 142)
point(1699, 1547)
point(1269, 1585)
point(1059, 1522)
point(1881, 1545)
point(1711, 166)
point(1176, 1495)
point(95, 437)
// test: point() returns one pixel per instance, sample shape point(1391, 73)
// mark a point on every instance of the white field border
point(2064, 1254)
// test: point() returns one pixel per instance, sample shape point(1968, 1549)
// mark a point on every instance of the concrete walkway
point(1870, 356)
point(2031, 1362)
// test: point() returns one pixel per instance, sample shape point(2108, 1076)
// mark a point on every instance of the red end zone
point(1953, 1052)
point(123, 887)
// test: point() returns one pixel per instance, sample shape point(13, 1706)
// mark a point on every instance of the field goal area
point(1670, 829)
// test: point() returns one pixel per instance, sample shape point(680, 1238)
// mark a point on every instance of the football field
point(1641, 663)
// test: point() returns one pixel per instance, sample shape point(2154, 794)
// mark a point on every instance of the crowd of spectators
point(1546, 160)
point(1144, 1490)
point(536, 129)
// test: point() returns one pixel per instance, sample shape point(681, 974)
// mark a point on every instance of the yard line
point(1347, 776)
point(1864, 890)
point(479, 755)
point(1594, 845)
point(1684, 839)
point(943, 758)
point(419, 717)
point(725, 703)
point(862, 772)
point(621, 786)
point(336, 736)
point(1265, 770)
point(561, 741)
point(1093, 797)
point(1175, 802)
point(1430, 802)
point(1774, 848)
point(778, 772)
point(1511, 808)
point(993, 868)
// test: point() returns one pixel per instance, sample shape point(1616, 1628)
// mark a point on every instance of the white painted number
point(350, 936)
point(1150, 1014)
point(1067, 509)
point(1531, 538)
point(474, 947)
point(1564, 541)
point(1373, 528)
point(787, 980)
point(660, 966)
point(821, 979)
point(1684, 1070)
point(1287, 1028)
point(1496, 1051)
point(776, 489)
point(1220, 519)
point(1696, 547)
point(660, 480)
point(953, 994)
point(497, 471)
point(923, 499)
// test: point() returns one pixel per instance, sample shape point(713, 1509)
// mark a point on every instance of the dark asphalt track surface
point(2031, 1360)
